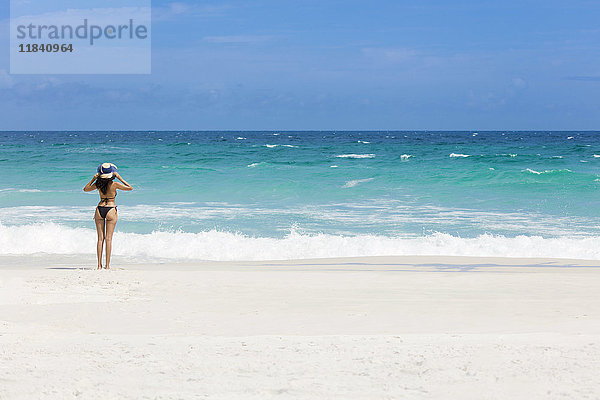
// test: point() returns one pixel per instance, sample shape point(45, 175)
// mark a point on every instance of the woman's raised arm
point(125, 185)
point(90, 186)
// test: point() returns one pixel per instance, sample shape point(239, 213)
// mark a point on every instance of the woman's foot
point(107, 267)
point(99, 266)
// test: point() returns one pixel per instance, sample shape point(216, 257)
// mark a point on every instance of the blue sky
point(286, 64)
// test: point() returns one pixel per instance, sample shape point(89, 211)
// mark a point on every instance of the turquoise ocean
point(238, 195)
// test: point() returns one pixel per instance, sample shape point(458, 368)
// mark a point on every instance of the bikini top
point(106, 199)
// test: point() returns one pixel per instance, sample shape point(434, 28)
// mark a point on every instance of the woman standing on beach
point(105, 215)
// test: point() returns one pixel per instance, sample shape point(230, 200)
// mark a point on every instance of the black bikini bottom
point(104, 210)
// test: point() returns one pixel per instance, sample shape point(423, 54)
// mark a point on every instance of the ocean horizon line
point(309, 130)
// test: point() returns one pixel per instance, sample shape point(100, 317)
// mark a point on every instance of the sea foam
point(355, 182)
point(229, 246)
point(356, 156)
point(548, 171)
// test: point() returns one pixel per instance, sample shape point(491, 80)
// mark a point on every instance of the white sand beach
point(353, 328)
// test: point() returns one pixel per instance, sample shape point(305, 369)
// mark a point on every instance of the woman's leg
point(111, 221)
point(100, 226)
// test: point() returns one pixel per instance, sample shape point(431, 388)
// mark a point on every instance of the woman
point(105, 215)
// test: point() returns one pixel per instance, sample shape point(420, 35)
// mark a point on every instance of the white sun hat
point(107, 170)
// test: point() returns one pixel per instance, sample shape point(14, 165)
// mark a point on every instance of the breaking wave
point(228, 246)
